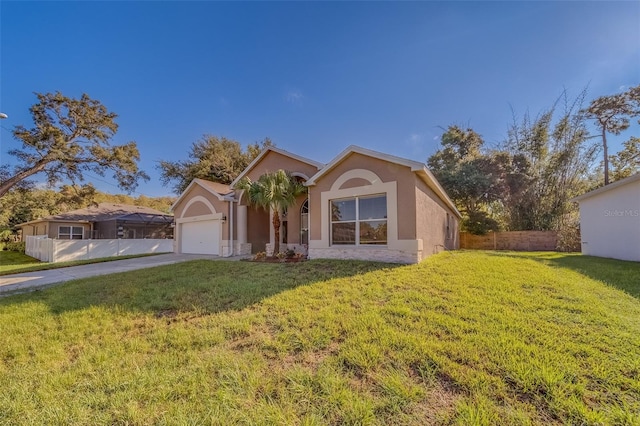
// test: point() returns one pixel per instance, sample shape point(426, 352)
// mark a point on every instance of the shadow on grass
point(21, 263)
point(203, 286)
point(621, 274)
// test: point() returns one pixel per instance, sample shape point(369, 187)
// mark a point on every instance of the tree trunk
point(13, 180)
point(606, 156)
point(276, 227)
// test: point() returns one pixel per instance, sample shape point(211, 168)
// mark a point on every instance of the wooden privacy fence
point(511, 240)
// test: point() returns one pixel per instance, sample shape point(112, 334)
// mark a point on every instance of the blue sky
point(315, 77)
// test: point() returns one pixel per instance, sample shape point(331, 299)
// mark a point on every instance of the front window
point(70, 232)
point(359, 220)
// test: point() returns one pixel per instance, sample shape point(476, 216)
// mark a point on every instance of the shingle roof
point(220, 188)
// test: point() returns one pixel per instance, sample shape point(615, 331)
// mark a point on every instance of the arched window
point(304, 222)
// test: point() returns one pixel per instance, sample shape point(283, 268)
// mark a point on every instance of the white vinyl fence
point(52, 250)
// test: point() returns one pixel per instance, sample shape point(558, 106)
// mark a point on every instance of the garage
point(201, 237)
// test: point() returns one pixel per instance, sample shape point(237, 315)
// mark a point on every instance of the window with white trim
point(70, 232)
point(359, 220)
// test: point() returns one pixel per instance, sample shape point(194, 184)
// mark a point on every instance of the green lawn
point(468, 338)
point(12, 262)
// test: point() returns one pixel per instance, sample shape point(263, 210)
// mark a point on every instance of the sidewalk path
point(28, 281)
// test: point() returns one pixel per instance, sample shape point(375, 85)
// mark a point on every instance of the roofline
point(46, 219)
point(433, 183)
point(197, 181)
point(419, 168)
point(279, 151)
point(606, 188)
point(413, 165)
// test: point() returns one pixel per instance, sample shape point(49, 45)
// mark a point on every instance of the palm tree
point(274, 191)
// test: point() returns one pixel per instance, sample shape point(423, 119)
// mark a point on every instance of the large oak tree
point(213, 158)
point(468, 176)
point(71, 137)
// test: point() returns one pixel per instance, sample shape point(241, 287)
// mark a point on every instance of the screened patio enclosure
point(134, 226)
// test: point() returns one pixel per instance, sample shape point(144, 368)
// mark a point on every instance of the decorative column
point(242, 224)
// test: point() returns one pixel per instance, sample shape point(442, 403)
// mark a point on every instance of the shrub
point(18, 246)
point(569, 239)
point(260, 256)
point(6, 236)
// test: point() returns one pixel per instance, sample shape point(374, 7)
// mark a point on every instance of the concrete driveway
point(18, 283)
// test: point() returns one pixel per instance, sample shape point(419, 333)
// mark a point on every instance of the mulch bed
point(273, 259)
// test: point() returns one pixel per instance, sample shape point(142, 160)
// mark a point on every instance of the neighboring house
point(610, 220)
point(104, 221)
point(362, 205)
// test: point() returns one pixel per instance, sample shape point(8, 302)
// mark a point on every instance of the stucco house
point(102, 221)
point(610, 220)
point(363, 204)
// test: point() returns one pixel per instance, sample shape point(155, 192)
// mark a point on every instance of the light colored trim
point(45, 221)
point(413, 165)
point(70, 226)
point(435, 186)
point(230, 226)
point(606, 188)
point(367, 175)
point(194, 182)
point(390, 189)
point(198, 198)
point(358, 220)
point(241, 224)
point(379, 254)
point(279, 151)
point(214, 216)
point(181, 221)
point(302, 175)
point(308, 228)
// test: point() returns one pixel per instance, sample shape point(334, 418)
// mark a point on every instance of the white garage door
point(201, 237)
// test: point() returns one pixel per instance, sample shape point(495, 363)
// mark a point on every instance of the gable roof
point(264, 152)
point(219, 190)
point(419, 168)
point(602, 189)
point(99, 213)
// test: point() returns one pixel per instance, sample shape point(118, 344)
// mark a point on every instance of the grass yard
point(12, 262)
point(468, 338)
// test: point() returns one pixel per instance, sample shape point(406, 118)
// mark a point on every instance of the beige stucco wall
point(354, 183)
point(196, 203)
point(417, 217)
point(259, 221)
point(610, 223)
point(274, 161)
point(33, 230)
point(388, 172)
point(431, 221)
point(50, 229)
point(257, 228)
point(293, 220)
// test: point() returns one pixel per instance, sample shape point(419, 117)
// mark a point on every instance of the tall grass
point(462, 338)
